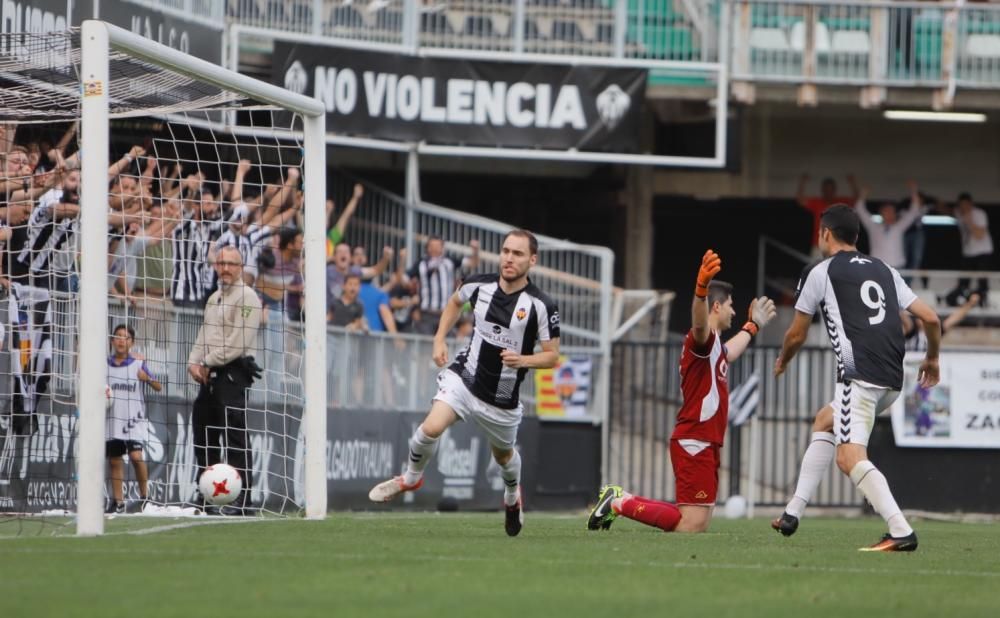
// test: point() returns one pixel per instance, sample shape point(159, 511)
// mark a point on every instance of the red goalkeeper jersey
point(705, 411)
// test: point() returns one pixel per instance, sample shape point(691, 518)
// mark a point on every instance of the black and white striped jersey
point(248, 244)
point(502, 322)
point(437, 278)
point(860, 298)
point(50, 246)
point(192, 275)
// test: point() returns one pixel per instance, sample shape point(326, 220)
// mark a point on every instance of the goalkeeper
point(701, 421)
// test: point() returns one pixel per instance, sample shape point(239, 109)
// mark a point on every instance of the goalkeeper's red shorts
point(697, 475)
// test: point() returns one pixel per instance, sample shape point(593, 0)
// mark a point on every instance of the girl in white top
point(127, 427)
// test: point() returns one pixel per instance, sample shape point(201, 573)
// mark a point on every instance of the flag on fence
point(743, 400)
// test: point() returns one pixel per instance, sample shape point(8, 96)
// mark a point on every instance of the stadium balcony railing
point(682, 30)
point(866, 42)
point(881, 43)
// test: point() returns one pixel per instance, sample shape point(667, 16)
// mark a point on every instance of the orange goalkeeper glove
point(711, 264)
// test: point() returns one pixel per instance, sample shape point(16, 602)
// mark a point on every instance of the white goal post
point(98, 41)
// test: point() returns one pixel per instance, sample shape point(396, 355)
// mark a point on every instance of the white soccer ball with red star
point(220, 484)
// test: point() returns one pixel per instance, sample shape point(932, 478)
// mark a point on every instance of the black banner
point(190, 34)
point(363, 448)
point(461, 102)
point(187, 33)
point(36, 16)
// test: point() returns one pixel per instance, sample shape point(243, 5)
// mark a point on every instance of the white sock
point(873, 485)
point(511, 474)
point(815, 462)
point(422, 447)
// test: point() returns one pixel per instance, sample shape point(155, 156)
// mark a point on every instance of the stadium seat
point(854, 42)
point(605, 32)
point(435, 23)
point(301, 15)
point(245, 9)
point(658, 10)
point(769, 39)
point(588, 29)
point(797, 37)
point(456, 20)
point(543, 28)
point(478, 25)
point(389, 20)
point(275, 12)
point(569, 31)
point(769, 16)
point(927, 45)
point(503, 25)
point(532, 31)
point(982, 46)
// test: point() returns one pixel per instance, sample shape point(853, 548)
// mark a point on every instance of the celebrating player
point(127, 425)
point(701, 421)
point(819, 454)
point(482, 385)
point(860, 298)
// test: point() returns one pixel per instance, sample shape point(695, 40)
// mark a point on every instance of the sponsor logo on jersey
point(701, 495)
point(860, 260)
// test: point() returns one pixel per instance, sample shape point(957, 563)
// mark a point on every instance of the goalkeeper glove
point(760, 313)
point(711, 264)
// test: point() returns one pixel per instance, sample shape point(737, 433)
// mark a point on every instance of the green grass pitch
point(442, 565)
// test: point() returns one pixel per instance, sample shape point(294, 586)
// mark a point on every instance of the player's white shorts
point(499, 424)
point(855, 405)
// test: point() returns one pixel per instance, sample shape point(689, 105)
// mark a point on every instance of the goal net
point(136, 183)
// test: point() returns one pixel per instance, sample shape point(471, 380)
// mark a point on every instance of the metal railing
point(373, 371)
point(648, 29)
point(577, 277)
point(204, 10)
point(879, 42)
point(780, 266)
point(882, 43)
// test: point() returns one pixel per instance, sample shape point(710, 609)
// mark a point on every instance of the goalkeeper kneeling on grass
point(702, 418)
point(127, 423)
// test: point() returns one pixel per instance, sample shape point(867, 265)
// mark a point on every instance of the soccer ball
point(220, 484)
point(736, 507)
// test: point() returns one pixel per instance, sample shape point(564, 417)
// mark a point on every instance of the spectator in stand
point(437, 275)
point(359, 259)
point(818, 204)
point(337, 271)
point(914, 239)
point(977, 249)
point(885, 238)
point(192, 240)
point(347, 311)
point(913, 328)
point(335, 231)
point(251, 238)
point(403, 296)
point(378, 314)
point(125, 250)
point(280, 284)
